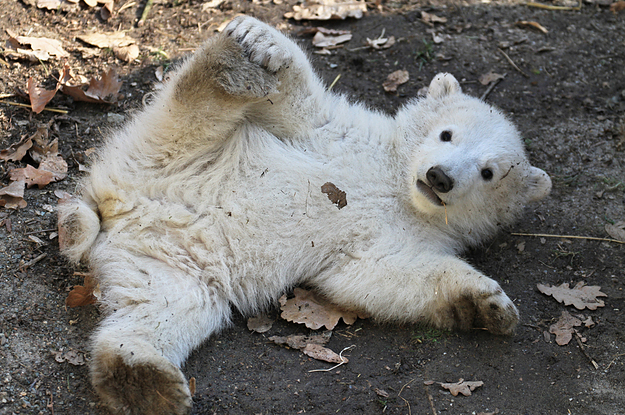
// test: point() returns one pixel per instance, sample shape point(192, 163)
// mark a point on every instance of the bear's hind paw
point(142, 389)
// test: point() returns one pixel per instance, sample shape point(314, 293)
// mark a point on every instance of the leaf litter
point(581, 296)
point(327, 10)
point(33, 48)
point(461, 387)
point(395, 79)
point(616, 231)
point(315, 312)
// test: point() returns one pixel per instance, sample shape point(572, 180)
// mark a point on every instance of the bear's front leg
point(440, 290)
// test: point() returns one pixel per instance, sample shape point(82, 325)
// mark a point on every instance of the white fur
point(211, 198)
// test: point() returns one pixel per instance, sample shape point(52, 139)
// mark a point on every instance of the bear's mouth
point(429, 193)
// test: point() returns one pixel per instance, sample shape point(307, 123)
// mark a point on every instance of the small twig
point(581, 347)
point(144, 15)
point(550, 7)
point(513, 64)
point(33, 262)
point(405, 400)
point(334, 82)
point(427, 390)
point(335, 366)
point(3, 96)
point(613, 360)
point(17, 104)
point(590, 238)
point(491, 87)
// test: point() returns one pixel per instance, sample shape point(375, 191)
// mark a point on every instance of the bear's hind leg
point(138, 349)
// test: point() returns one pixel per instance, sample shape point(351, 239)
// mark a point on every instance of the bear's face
point(471, 168)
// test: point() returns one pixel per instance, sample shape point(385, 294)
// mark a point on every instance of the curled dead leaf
point(430, 19)
point(313, 311)
point(39, 97)
point(616, 231)
point(580, 296)
point(127, 53)
point(395, 79)
point(327, 9)
point(490, 77)
point(260, 323)
point(41, 48)
point(322, 40)
point(107, 39)
point(563, 328)
point(336, 195)
point(74, 357)
point(535, 25)
point(82, 295)
point(318, 352)
point(31, 176)
point(462, 387)
point(12, 196)
point(104, 89)
point(17, 151)
point(617, 7)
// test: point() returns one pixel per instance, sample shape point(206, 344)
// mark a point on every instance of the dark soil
point(570, 106)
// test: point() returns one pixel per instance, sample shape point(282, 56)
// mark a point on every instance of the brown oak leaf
point(580, 296)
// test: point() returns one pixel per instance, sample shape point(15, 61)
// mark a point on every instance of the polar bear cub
point(246, 177)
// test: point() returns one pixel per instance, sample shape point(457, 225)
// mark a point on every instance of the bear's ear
point(442, 85)
point(539, 184)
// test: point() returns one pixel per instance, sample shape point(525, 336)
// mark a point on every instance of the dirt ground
point(566, 94)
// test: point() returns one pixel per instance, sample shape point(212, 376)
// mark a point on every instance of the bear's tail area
point(79, 225)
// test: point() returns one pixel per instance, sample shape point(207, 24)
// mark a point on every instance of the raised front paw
point(156, 388)
point(264, 45)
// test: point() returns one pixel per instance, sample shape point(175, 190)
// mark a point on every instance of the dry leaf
point(12, 196)
point(381, 392)
point(107, 39)
point(327, 9)
point(48, 4)
point(260, 323)
point(617, 6)
point(100, 90)
point(107, 9)
point(381, 42)
point(71, 356)
point(616, 231)
point(535, 25)
point(213, 4)
point(579, 296)
point(31, 176)
point(299, 341)
point(311, 346)
point(462, 387)
point(395, 79)
point(41, 48)
point(490, 77)
point(321, 40)
point(82, 295)
point(39, 97)
point(563, 328)
point(17, 151)
point(306, 308)
point(336, 195)
point(430, 19)
point(192, 386)
point(127, 53)
point(319, 352)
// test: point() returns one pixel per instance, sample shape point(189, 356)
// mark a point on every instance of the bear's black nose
point(439, 180)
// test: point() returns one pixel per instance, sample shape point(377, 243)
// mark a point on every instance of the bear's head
point(469, 169)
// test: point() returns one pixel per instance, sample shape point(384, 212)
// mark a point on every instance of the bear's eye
point(487, 174)
point(445, 136)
